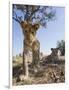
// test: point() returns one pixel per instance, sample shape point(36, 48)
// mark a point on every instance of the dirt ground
point(53, 72)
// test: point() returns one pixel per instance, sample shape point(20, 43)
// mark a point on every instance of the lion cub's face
point(54, 51)
point(29, 30)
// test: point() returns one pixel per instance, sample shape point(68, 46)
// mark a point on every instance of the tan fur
point(30, 41)
point(54, 55)
point(52, 59)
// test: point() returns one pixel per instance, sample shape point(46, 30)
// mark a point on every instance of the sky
point(48, 37)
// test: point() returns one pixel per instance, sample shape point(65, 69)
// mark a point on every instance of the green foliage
point(61, 46)
point(33, 13)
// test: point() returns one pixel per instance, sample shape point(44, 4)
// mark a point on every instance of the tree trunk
point(25, 65)
point(36, 52)
point(36, 59)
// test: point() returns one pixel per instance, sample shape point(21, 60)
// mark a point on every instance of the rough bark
point(25, 65)
point(36, 59)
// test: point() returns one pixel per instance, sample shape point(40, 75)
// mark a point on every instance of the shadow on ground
point(49, 72)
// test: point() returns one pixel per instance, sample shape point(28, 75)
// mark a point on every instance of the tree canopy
point(61, 46)
point(33, 13)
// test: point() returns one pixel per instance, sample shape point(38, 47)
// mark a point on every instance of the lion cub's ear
point(52, 49)
point(23, 24)
point(36, 26)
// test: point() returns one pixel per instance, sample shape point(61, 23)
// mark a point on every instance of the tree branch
point(15, 17)
point(16, 20)
point(33, 13)
point(26, 15)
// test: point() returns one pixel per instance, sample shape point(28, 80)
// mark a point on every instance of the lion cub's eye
point(26, 31)
point(32, 32)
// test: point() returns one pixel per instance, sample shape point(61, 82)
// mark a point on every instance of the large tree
point(32, 14)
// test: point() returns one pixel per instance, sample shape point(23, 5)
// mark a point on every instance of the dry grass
point(48, 73)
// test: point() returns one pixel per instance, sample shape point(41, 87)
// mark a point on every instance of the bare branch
point(33, 13)
point(26, 14)
point(15, 17)
point(16, 20)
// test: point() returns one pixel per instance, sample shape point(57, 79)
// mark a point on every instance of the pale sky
point(48, 36)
